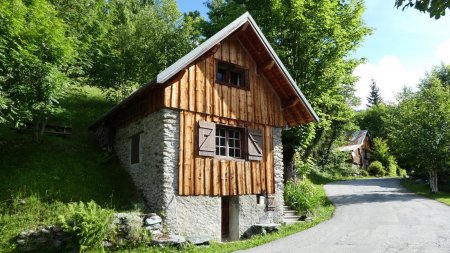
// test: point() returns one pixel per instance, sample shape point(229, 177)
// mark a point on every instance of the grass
point(423, 189)
point(59, 170)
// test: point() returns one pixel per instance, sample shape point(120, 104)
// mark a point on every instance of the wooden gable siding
point(199, 97)
point(197, 90)
point(200, 175)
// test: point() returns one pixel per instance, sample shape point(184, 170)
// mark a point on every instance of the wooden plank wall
point(199, 175)
point(197, 91)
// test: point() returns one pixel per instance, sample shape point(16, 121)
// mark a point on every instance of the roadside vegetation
point(422, 188)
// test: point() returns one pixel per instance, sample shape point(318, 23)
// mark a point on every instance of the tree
point(314, 39)
point(436, 8)
point(420, 131)
point(34, 49)
point(374, 120)
point(87, 24)
point(438, 74)
point(142, 40)
point(374, 97)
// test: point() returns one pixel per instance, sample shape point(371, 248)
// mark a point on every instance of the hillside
point(35, 178)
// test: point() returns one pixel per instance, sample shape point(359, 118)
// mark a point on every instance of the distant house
point(202, 141)
point(358, 146)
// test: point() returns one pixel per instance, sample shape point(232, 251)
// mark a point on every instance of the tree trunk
point(433, 177)
point(39, 128)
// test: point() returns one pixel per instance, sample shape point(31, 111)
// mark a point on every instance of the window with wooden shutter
point(135, 149)
point(206, 138)
point(254, 144)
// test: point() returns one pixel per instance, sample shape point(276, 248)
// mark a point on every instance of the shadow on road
point(372, 191)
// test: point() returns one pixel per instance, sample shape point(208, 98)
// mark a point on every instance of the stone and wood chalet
point(202, 141)
point(358, 147)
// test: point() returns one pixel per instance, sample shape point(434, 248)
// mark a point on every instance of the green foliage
point(302, 196)
point(419, 129)
point(34, 51)
point(304, 168)
point(436, 8)
point(381, 151)
point(339, 167)
point(374, 98)
point(374, 120)
point(22, 212)
point(141, 41)
point(89, 222)
point(377, 169)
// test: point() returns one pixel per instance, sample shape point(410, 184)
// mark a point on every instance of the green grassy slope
point(65, 169)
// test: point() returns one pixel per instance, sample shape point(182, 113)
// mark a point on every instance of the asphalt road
point(373, 215)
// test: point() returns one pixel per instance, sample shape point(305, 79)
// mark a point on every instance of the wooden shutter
point(254, 144)
point(206, 138)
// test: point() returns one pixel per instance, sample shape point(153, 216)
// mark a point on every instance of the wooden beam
point(210, 52)
point(175, 78)
point(266, 67)
point(290, 103)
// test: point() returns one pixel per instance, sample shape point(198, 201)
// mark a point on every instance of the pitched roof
point(230, 29)
point(355, 140)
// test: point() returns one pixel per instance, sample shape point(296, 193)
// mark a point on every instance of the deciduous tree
point(420, 131)
point(436, 8)
point(34, 49)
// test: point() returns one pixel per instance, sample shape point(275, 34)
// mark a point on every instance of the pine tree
point(374, 97)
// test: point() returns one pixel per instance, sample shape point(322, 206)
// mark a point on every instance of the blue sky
point(403, 46)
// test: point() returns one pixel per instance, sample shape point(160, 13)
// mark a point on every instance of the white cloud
point(443, 52)
point(390, 76)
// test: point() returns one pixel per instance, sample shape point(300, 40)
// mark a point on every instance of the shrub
point(376, 169)
point(303, 196)
point(392, 167)
point(364, 173)
point(401, 172)
point(304, 167)
point(89, 222)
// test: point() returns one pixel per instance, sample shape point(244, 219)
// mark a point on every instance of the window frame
point(230, 67)
point(242, 146)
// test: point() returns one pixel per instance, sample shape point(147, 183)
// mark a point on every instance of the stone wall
point(278, 165)
point(156, 176)
point(149, 172)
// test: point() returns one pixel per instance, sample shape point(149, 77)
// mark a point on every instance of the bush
point(364, 173)
point(401, 172)
point(392, 167)
point(304, 167)
point(303, 196)
point(89, 222)
point(376, 169)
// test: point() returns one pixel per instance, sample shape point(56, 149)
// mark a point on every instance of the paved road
point(374, 215)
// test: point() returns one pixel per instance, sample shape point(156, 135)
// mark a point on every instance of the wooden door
point(225, 220)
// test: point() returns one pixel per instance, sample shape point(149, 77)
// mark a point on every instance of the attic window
point(232, 74)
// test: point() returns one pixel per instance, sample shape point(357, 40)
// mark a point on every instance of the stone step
point(290, 212)
point(293, 218)
point(290, 222)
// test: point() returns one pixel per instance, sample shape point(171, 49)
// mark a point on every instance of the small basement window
point(232, 74)
point(135, 149)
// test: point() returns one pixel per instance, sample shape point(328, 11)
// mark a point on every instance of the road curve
point(373, 215)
